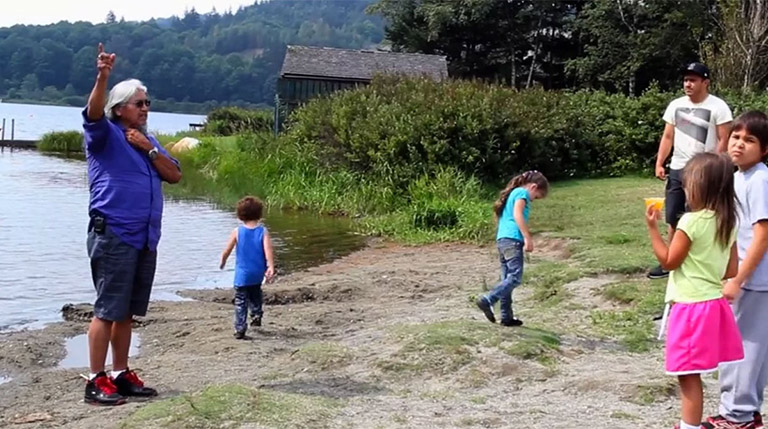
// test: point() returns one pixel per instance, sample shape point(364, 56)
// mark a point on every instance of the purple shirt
point(124, 185)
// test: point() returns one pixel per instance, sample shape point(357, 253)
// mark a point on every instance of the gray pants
point(742, 384)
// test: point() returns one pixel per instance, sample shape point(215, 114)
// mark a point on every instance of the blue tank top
point(250, 262)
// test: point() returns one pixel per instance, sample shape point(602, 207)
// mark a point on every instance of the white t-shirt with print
point(752, 191)
point(695, 126)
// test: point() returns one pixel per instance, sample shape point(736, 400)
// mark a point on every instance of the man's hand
point(98, 98)
point(104, 61)
point(270, 274)
point(138, 140)
point(661, 173)
point(731, 290)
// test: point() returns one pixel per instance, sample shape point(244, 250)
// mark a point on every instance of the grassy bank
point(601, 217)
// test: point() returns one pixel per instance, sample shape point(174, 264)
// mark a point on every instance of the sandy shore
point(362, 331)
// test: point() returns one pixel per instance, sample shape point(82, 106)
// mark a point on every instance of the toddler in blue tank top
point(254, 263)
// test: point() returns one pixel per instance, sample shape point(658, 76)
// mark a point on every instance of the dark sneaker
point(658, 273)
point(239, 335)
point(483, 305)
point(101, 391)
point(256, 321)
point(720, 422)
point(129, 384)
point(512, 322)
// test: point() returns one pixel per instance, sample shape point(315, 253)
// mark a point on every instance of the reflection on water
point(43, 221)
point(77, 351)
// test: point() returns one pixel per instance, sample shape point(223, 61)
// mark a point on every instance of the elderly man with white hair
point(125, 169)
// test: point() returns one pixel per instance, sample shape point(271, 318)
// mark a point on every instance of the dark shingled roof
point(306, 61)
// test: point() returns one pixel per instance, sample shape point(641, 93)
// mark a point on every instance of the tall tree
point(628, 43)
point(500, 40)
point(740, 54)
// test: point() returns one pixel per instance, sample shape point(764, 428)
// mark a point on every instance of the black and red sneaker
point(101, 391)
point(129, 384)
point(720, 422)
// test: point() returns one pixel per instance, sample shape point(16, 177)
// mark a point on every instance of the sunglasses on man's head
point(141, 103)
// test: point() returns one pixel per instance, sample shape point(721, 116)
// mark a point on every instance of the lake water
point(32, 121)
point(43, 221)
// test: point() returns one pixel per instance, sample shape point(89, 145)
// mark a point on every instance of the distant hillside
point(215, 58)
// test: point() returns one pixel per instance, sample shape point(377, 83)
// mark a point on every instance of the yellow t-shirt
point(699, 277)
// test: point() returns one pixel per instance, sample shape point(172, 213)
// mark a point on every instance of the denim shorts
point(122, 276)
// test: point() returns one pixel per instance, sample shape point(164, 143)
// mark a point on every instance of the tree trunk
point(535, 52)
point(513, 72)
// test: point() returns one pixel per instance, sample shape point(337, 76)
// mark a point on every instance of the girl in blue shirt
point(254, 263)
point(512, 238)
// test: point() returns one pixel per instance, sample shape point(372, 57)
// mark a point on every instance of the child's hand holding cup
point(653, 208)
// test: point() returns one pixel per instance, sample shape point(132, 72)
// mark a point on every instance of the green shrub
point(61, 141)
point(403, 129)
point(227, 121)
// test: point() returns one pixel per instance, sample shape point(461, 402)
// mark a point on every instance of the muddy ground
point(389, 335)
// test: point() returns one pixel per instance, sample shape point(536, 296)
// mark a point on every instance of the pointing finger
point(101, 47)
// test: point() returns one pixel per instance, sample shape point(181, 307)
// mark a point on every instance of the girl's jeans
point(511, 257)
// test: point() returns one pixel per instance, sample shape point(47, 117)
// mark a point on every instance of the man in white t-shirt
point(698, 122)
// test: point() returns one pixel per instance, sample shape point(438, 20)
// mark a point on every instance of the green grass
point(233, 406)
point(633, 325)
point(475, 378)
point(624, 416)
point(653, 392)
point(478, 400)
point(445, 347)
point(547, 279)
point(604, 217)
point(61, 142)
point(324, 356)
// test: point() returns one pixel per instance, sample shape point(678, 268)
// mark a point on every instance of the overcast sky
point(41, 12)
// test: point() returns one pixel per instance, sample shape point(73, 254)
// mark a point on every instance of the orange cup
point(657, 203)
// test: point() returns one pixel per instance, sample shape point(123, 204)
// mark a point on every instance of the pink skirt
point(700, 336)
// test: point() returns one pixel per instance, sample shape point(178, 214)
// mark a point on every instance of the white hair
point(120, 94)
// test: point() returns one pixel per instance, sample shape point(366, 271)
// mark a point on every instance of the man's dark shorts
point(122, 276)
point(675, 198)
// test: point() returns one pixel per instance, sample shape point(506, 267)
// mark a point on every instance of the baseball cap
point(698, 69)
